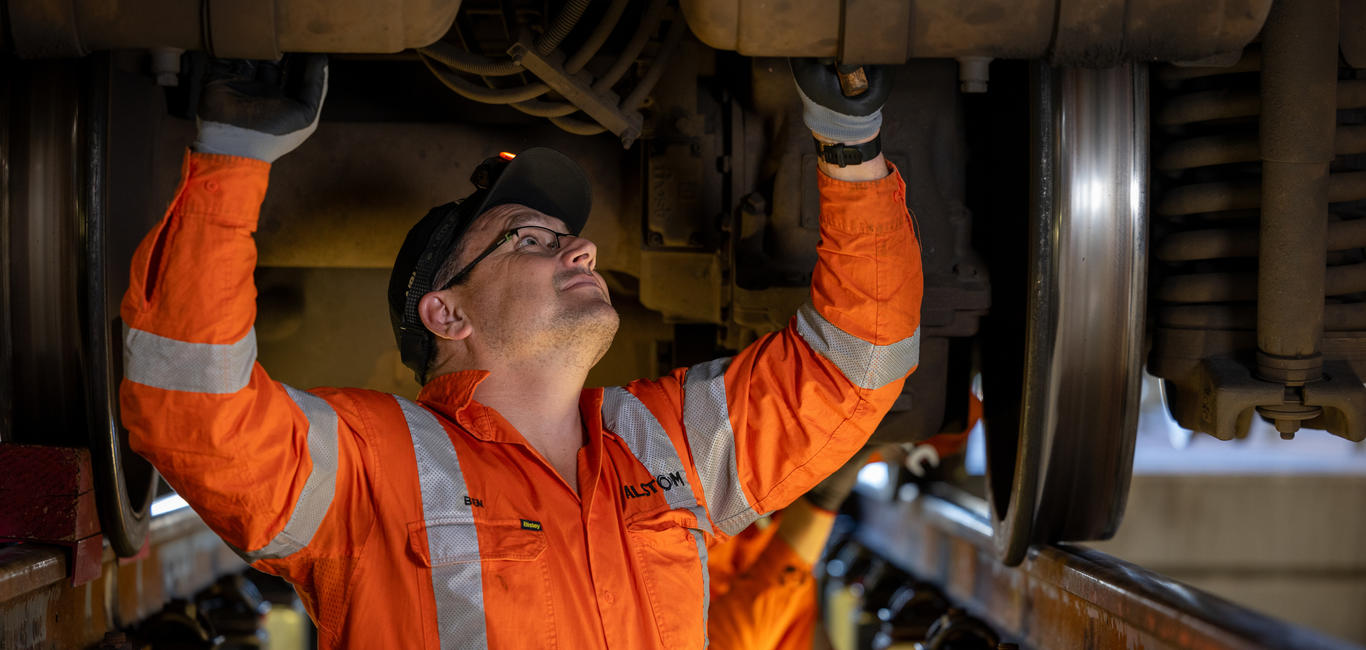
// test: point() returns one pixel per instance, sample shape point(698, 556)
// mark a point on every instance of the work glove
point(828, 111)
point(831, 492)
point(260, 109)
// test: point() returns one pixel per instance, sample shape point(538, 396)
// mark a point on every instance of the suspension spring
point(1207, 175)
point(1205, 221)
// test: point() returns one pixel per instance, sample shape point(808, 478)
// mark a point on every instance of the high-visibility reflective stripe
point(319, 487)
point(452, 542)
point(625, 415)
point(864, 364)
point(706, 416)
point(706, 581)
point(169, 364)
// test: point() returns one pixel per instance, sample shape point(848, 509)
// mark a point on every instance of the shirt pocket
point(670, 552)
point(490, 577)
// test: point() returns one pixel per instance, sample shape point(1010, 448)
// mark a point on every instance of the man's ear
point(443, 317)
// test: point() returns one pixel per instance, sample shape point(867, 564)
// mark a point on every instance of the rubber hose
point(559, 28)
point(648, 24)
point(577, 127)
point(545, 109)
point(463, 61)
point(486, 95)
point(597, 38)
point(647, 83)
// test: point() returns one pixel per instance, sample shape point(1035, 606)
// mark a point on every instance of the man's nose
point(580, 251)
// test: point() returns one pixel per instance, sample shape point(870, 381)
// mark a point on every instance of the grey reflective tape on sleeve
point(169, 364)
point(863, 363)
point(625, 415)
point(320, 486)
point(457, 581)
point(706, 416)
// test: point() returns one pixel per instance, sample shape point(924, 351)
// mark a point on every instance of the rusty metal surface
point(1061, 596)
point(1071, 32)
point(39, 608)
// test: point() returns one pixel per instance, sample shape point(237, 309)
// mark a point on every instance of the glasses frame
point(506, 237)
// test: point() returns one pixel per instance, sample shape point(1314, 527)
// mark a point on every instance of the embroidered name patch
point(528, 524)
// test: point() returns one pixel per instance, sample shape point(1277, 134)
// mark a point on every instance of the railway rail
point(1063, 595)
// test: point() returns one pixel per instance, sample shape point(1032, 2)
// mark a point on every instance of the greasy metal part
point(257, 29)
point(1061, 596)
point(1065, 475)
point(1067, 32)
point(1299, 75)
point(602, 106)
point(853, 80)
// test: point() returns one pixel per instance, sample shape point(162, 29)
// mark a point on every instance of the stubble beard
point(576, 336)
point(583, 333)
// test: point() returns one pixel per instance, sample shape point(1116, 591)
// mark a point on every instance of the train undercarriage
point(1101, 187)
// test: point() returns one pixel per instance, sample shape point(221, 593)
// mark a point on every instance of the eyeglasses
point(528, 239)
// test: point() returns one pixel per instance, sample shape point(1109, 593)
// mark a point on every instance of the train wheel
point(1059, 459)
point(67, 273)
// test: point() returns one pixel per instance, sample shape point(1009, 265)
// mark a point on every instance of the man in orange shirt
point(763, 589)
point(508, 506)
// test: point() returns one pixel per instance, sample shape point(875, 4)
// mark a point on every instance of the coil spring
point(1207, 164)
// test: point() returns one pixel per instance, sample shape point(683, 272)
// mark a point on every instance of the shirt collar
point(452, 395)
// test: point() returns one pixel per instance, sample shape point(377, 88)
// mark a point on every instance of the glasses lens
point(536, 236)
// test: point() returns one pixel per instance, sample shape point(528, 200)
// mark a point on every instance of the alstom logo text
point(664, 482)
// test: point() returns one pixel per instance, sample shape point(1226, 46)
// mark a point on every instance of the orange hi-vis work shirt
point(434, 523)
point(763, 593)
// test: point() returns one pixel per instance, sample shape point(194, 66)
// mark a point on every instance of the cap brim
point(545, 180)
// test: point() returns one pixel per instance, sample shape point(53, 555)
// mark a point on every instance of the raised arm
point(257, 460)
point(765, 426)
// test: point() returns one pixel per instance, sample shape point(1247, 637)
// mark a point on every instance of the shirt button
point(608, 598)
point(211, 186)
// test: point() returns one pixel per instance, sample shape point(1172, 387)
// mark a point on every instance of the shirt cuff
point(223, 189)
point(863, 206)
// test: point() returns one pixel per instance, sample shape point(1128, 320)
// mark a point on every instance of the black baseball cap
point(539, 178)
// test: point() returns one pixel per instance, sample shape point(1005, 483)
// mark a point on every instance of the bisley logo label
point(663, 482)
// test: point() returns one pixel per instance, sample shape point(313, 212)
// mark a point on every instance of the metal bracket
point(578, 90)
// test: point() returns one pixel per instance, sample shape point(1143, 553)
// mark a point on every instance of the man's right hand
point(832, 115)
point(259, 109)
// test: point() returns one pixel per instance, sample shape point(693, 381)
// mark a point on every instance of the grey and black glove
point(829, 112)
point(831, 492)
point(260, 109)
